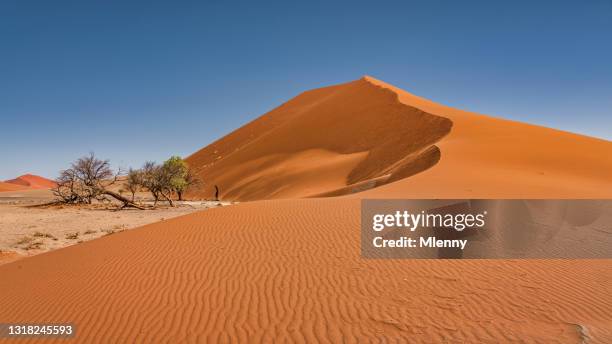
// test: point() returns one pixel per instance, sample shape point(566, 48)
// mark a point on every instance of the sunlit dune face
point(386, 139)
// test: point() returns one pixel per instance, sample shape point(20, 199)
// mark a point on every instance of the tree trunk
point(126, 202)
point(168, 199)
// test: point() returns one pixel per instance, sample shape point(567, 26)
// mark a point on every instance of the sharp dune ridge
point(288, 269)
point(322, 141)
point(487, 157)
point(366, 133)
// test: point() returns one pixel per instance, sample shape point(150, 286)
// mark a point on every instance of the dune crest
point(488, 157)
point(374, 136)
point(380, 134)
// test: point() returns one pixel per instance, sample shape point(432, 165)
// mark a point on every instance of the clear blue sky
point(142, 80)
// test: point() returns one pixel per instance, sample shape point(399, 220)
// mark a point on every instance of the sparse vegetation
point(86, 180)
point(179, 174)
point(89, 178)
point(156, 181)
point(43, 235)
point(134, 182)
point(24, 240)
point(33, 246)
point(72, 236)
point(171, 177)
point(56, 225)
point(109, 231)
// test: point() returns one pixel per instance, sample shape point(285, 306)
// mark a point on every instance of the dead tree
point(158, 181)
point(87, 180)
point(126, 202)
point(133, 182)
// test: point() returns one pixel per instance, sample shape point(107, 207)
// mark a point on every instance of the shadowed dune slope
point(290, 271)
point(32, 181)
point(487, 157)
point(364, 134)
point(320, 141)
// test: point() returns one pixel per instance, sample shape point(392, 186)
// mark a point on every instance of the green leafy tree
point(179, 176)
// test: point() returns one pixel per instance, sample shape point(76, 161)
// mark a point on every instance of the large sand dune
point(289, 270)
point(320, 141)
point(486, 157)
point(359, 135)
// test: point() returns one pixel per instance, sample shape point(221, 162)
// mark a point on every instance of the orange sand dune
point(289, 270)
point(321, 140)
point(355, 136)
point(32, 181)
point(486, 157)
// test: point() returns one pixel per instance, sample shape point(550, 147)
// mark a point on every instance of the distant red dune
point(31, 181)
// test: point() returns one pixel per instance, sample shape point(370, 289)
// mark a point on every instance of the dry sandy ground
point(289, 270)
point(10, 187)
point(26, 230)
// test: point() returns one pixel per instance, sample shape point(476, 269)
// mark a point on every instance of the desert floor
point(290, 271)
point(27, 230)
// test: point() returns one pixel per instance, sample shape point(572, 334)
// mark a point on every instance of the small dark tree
point(157, 179)
point(85, 180)
point(149, 179)
point(133, 182)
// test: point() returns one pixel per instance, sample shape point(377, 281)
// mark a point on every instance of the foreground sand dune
point(289, 270)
